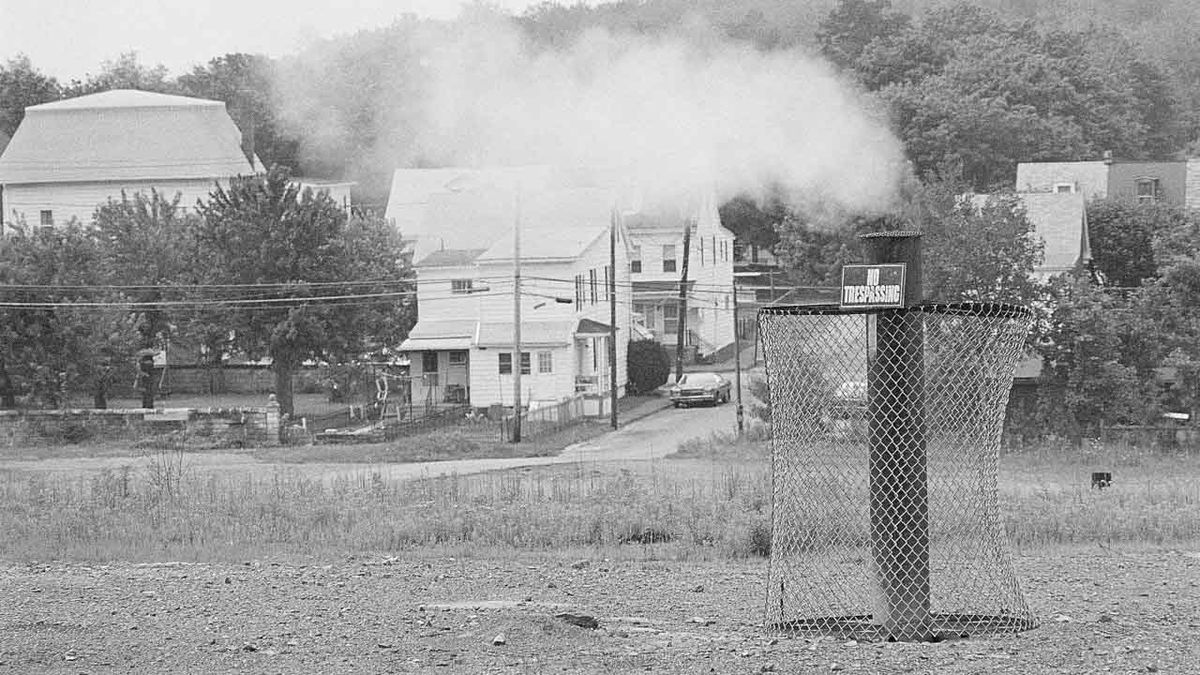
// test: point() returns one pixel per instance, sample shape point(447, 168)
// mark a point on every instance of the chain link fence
point(886, 432)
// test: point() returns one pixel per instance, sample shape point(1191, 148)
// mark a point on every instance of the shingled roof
point(124, 135)
point(1060, 219)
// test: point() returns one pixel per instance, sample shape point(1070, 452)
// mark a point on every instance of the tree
point(21, 86)
point(50, 344)
point(847, 30)
point(975, 91)
point(142, 242)
point(264, 232)
point(753, 221)
point(1100, 350)
point(648, 365)
point(126, 72)
point(982, 250)
point(1122, 235)
point(244, 82)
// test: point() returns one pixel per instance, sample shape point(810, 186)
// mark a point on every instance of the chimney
point(1108, 157)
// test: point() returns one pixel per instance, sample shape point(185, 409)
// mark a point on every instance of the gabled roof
point(555, 225)
point(1089, 178)
point(1060, 219)
point(124, 135)
point(418, 196)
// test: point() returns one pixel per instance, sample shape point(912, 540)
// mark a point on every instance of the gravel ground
point(1120, 611)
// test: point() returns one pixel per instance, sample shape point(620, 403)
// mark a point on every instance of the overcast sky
point(70, 38)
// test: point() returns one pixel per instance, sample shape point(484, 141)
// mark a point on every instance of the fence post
point(899, 498)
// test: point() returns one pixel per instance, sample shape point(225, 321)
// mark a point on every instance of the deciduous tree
point(22, 85)
point(58, 331)
point(344, 282)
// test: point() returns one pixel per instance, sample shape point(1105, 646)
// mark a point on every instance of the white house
point(69, 157)
point(454, 208)
point(461, 348)
point(1059, 220)
point(656, 237)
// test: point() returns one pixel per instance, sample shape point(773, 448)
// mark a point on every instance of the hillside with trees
point(969, 88)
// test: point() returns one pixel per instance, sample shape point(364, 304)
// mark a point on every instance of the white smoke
point(669, 113)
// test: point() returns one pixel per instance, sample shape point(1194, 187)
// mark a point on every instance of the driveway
point(647, 439)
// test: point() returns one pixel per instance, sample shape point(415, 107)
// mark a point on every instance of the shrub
point(759, 390)
point(648, 366)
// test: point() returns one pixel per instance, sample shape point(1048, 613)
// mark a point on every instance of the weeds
point(684, 508)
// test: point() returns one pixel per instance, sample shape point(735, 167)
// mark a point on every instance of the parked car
point(700, 388)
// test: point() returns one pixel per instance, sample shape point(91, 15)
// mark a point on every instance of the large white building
point(461, 349)
point(69, 157)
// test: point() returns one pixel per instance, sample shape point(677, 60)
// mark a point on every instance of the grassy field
point(711, 501)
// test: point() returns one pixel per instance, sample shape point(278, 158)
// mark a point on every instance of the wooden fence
point(545, 420)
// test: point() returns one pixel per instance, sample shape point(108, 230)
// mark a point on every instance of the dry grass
point(714, 505)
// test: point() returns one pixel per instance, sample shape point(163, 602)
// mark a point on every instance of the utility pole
point(612, 316)
point(516, 357)
point(737, 362)
point(681, 325)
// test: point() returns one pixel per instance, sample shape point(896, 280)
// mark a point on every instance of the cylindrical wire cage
point(886, 432)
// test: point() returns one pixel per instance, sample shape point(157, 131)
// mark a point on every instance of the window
point(460, 286)
point(607, 281)
point(1147, 190)
point(668, 257)
point(429, 362)
point(635, 259)
point(545, 362)
point(592, 284)
point(47, 218)
point(458, 358)
point(1064, 188)
point(702, 252)
point(670, 311)
point(578, 290)
point(506, 363)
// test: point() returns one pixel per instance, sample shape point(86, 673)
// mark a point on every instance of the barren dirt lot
point(1102, 610)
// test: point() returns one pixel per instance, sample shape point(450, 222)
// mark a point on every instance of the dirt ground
point(1101, 610)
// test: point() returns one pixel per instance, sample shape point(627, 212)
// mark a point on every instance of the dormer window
point(1148, 190)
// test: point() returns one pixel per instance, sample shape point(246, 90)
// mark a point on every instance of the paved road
point(649, 438)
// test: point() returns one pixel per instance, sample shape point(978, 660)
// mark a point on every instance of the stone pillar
point(272, 422)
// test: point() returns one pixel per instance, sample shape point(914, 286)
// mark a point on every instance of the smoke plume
point(669, 113)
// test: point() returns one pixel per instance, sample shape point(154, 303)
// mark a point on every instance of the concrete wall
point(210, 427)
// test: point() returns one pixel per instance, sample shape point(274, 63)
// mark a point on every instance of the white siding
point(489, 387)
point(437, 302)
point(1192, 184)
point(710, 268)
point(80, 200)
